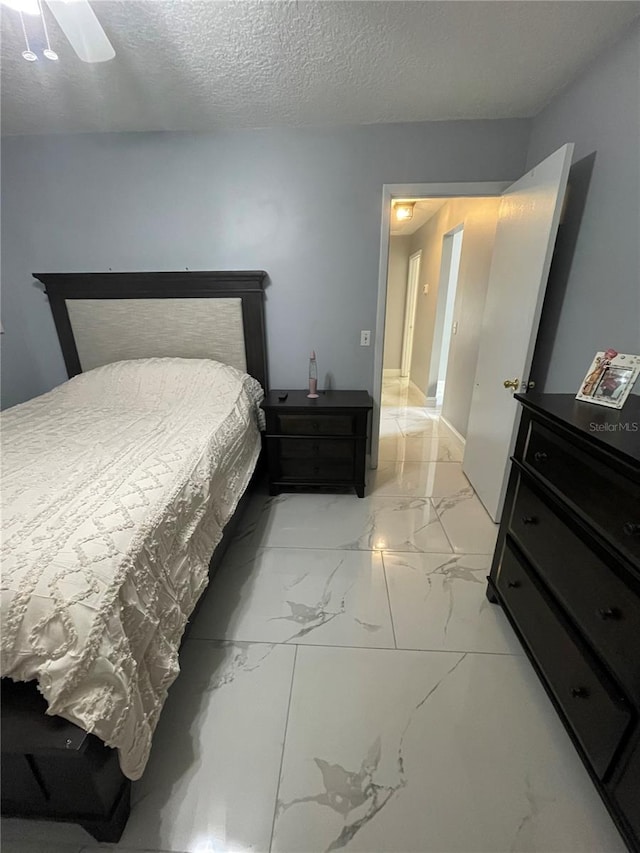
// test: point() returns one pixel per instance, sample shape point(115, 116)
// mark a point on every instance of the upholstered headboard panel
point(107, 330)
point(105, 317)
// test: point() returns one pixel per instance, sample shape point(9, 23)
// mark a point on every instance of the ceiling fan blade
point(78, 22)
point(27, 7)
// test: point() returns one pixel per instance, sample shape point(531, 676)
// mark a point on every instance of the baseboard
point(453, 430)
point(390, 372)
point(413, 385)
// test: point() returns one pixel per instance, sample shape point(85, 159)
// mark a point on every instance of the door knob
point(512, 383)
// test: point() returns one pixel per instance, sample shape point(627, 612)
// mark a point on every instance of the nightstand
point(316, 443)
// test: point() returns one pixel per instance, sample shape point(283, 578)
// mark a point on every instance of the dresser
point(567, 572)
point(317, 443)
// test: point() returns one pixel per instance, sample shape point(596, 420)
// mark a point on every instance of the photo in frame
point(610, 379)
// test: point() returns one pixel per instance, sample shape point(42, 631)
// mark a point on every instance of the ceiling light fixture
point(403, 210)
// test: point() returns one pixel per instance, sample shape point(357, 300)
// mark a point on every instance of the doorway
point(385, 341)
point(527, 214)
point(439, 260)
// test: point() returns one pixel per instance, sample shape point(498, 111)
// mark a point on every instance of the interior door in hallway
point(527, 227)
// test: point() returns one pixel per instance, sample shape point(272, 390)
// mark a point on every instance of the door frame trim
point(389, 192)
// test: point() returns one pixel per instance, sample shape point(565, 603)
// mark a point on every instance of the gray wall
point(479, 218)
point(397, 270)
point(303, 204)
point(593, 297)
point(428, 240)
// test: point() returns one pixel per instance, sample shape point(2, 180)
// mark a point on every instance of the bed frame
point(52, 769)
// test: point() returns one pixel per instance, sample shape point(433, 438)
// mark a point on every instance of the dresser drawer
point(590, 701)
point(606, 609)
point(292, 424)
point(310, 470)
point(627, 791)
point(320, 448)
point(607, 499)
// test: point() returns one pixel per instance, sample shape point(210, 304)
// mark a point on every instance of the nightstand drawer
point(293, 424)
point(591, 702)
point(602, 604)
point(317, 448)
point(312, 470)
point(604, 497)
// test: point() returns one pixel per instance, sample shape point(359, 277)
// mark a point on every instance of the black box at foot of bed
point(53, 770)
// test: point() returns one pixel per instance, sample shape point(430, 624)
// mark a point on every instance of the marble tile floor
point(346, 685)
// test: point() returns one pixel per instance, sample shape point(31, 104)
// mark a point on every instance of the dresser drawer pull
point(579, 692)
point(631, 528)
point(316, 469)
point(315, 426)
point(540, 456)
point(514, 584)
point(529, 519)
point(609, 613)
point(316, 448)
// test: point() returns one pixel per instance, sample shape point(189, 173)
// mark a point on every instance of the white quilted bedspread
point(115, 490)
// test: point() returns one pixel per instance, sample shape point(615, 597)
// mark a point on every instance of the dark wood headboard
point(247, 286)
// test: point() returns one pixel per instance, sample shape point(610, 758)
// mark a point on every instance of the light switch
point(365, 339)
point(425, 289)
point(455, 328)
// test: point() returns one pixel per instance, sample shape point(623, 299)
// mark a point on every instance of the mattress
point(116, 487)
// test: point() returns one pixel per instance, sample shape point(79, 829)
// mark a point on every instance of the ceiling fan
point(78, 22)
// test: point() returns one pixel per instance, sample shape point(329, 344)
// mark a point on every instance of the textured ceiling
point(197, 65)
point(424, 209)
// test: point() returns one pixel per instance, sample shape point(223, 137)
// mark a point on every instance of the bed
point(120, 487)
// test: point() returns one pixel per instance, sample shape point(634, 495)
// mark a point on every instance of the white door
point(411, 302)
point(526, 234)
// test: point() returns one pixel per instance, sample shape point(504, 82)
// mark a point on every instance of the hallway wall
point(479, 218)
point(396, 294)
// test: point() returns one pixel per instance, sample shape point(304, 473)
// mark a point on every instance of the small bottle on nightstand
point(313, 377)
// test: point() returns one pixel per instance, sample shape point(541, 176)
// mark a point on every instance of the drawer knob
point(579, 692)
point(529, 519)
point(609, 613)
point(514, 584)
point(631, 528)
point(540, 456)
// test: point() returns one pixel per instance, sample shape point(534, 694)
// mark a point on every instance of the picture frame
point(610, 379)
